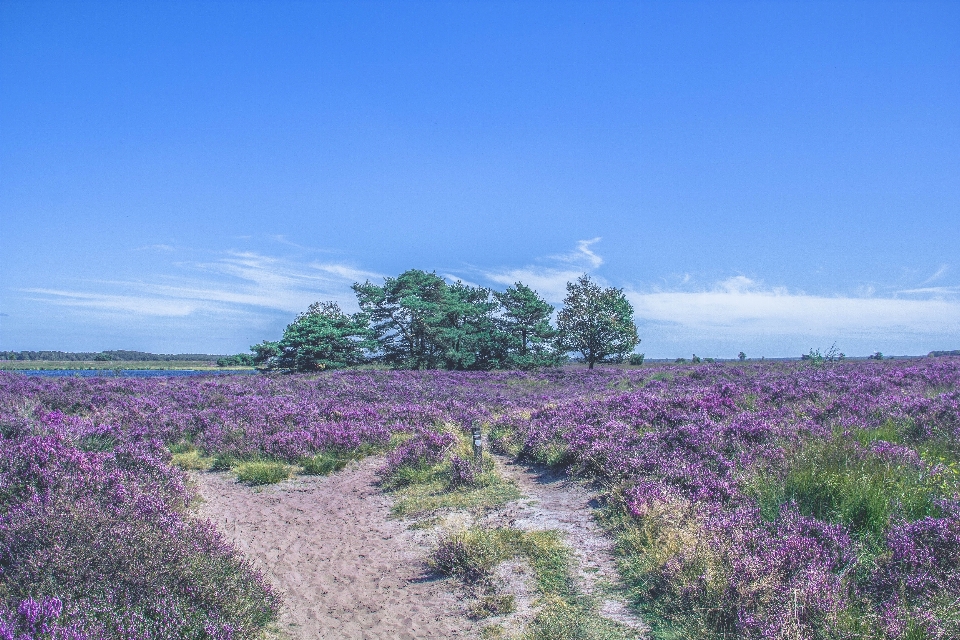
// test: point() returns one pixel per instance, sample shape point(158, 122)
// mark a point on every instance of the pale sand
point(344, 569)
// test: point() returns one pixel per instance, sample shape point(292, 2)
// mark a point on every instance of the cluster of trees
point(238, 360)
point(117, 355)
point(419, 321)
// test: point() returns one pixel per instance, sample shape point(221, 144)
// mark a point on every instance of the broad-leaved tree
point(597, 322)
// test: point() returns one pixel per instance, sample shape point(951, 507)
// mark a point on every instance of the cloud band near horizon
point(737, 310)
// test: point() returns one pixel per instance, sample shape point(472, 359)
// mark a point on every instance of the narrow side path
point(343, 568)
point(552, 501)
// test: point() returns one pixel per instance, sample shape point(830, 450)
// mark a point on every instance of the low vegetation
point(258, 472)
point(472, 556)
point(782, 500)
point(434, 472)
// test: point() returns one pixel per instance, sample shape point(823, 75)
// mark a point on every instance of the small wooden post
point(477, 444)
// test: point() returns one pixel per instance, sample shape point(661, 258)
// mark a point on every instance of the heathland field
point(776, 500)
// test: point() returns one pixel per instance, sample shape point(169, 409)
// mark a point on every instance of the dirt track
point(344, 569)
point(553, 501)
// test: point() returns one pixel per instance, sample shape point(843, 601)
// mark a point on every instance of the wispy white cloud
point(932, 291)
point(743, 306)
point(252, 288)
point(942, 271)
point(236, 279)
point(551, 280)
point(140, 305)
point(582, 255)
point(346, 272)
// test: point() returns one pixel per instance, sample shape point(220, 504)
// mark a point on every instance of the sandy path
point(552, 501)
point(343, 568)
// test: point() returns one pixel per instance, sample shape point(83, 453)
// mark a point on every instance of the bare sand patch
point(344, 568)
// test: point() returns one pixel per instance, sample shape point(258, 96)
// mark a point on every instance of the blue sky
point(765, 176)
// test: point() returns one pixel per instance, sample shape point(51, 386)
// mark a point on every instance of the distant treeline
point(106, 356)
point(934, 354)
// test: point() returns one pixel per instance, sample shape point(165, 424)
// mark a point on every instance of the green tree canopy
point(525, 326)
point(421, 322)
point(596, 322)
point(323, 337)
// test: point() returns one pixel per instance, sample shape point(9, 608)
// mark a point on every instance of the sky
point(771, 177)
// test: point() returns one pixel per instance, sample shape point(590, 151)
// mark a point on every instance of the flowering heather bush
point(749, 501)
point(776, 501)
point(463, 472)
point(99, 544)
point(96, 539)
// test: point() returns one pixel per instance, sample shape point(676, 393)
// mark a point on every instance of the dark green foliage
point(402, 312)
point(525, 324)
point(817, 359)
point(596, 322)
point(223, 462)
point(265, 352)
point(466, 332)
point(323, 337)
point(421, 322)
point(636, 359)
point(238, 360)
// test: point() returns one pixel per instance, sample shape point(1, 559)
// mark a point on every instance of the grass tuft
point(192, 461)
point(472, 555)
point(325, 463)
point(262, 472)
point(560, 618)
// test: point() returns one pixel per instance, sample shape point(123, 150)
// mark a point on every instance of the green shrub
point(183, 446)
point(223, 462)
point(636, 359)
point(261, 472)
point(191, 461)
point(470, 555)
point(836, 481)
point(324, 463)
point(504, 439)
